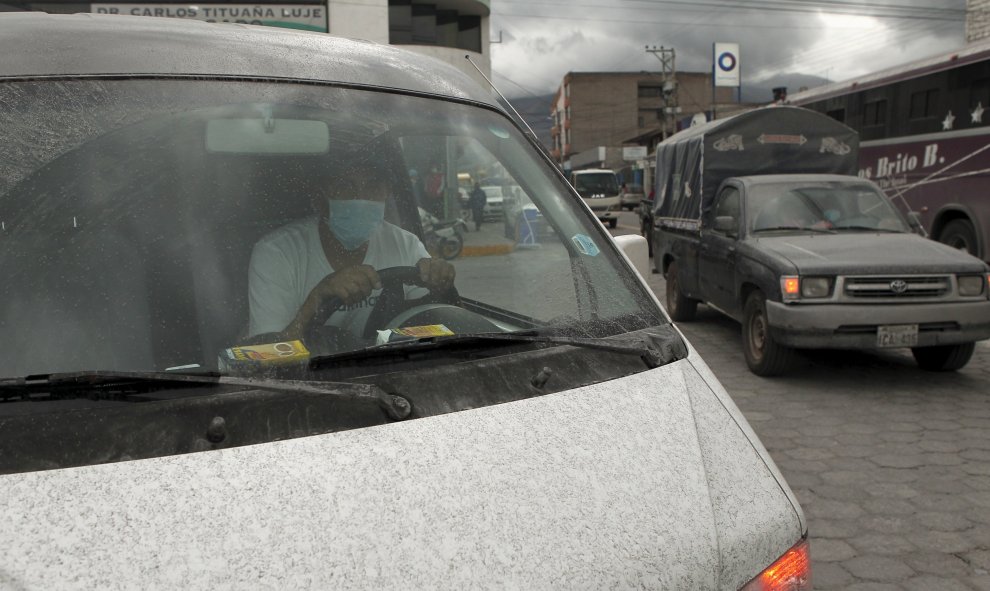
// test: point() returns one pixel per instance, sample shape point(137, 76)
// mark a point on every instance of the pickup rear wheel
point(764, 356)
point(644, 231)
point(944, 357)
point(680, 307)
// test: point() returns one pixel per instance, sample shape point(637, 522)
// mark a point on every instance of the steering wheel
point(391, 302)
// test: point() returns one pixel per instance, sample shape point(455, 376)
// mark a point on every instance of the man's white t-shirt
point(288, 263)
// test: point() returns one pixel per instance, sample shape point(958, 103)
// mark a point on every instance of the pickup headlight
point(815, 287)
point(794, 288)
point(971, 285)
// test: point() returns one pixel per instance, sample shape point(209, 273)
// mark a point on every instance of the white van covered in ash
point(231, 364)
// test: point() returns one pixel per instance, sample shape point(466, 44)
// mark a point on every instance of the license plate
point(897, 335)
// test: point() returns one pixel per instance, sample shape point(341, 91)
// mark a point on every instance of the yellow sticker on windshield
point(430, 330)
point(265, 355)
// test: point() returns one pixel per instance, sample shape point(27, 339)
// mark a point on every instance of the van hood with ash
point(652, 480)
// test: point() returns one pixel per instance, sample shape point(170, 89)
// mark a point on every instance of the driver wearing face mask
point(335, 253)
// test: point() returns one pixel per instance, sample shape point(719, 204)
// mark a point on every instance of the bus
point(924, 131)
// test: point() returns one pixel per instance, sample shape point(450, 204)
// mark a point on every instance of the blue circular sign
point(726, 62)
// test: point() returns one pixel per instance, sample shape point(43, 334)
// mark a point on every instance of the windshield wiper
point(118, 385)
point(794, 229)
point(870, 229)
point(658, 347)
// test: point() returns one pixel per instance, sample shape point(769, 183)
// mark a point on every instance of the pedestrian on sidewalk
point(476, 202)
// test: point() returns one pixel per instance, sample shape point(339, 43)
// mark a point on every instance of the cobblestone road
point(890, 463)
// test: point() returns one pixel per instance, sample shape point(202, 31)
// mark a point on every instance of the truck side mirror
point(914, 220)
point(726, 224)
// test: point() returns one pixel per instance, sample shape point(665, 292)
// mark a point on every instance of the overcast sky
point(542, 40)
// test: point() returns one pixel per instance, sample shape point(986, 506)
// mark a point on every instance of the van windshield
point(158, 225)
point(594, 183)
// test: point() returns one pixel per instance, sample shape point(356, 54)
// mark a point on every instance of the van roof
point(37, 44)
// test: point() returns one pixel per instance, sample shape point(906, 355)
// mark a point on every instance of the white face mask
point(352, 221)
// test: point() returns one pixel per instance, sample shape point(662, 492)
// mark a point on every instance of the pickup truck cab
point(821, 261)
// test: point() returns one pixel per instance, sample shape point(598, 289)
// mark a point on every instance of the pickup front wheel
point(680, 307)
point(943, 357)
point(764, 356)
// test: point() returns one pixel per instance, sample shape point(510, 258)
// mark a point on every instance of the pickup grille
point(897, 287)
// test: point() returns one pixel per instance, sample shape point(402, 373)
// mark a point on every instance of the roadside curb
point(482, 250)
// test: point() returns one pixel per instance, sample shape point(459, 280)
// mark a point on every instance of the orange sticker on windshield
point(430, 330)
point(264, 355)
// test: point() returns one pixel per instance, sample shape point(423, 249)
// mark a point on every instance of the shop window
point(421, 23)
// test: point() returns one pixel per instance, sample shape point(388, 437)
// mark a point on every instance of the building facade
point(596, 111)
point(444, 29)
point(977, 20)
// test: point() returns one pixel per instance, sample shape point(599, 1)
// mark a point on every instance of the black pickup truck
point(760, 216)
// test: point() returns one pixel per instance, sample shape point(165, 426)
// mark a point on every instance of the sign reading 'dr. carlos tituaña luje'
point(309, 17)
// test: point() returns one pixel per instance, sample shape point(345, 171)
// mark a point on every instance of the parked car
point(524, 222)
point(539, 424)
point(494, 189)
point(493, 206)
point(631, 196)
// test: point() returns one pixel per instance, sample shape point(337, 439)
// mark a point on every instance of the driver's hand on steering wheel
point(436, 274)
point(351, 284)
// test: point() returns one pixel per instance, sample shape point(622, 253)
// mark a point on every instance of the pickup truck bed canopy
point(770, 140)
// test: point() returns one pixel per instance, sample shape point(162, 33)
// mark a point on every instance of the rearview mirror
point(914, 219)
point(267, 136)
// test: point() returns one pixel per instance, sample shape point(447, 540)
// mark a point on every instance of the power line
point(640, 21)
point(851, 8)
point(862, 8)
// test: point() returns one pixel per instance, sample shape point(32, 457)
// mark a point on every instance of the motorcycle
point(442, 238)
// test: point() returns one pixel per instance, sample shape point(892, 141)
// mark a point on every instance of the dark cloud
point(552, 37)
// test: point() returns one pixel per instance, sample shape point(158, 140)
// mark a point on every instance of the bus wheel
point(960, 234)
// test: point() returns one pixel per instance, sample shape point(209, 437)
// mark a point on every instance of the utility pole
point(668, 73)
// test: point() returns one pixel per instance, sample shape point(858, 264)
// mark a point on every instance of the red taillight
point(790, 572)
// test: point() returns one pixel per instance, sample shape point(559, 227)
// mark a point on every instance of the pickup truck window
point(823, 205)
point(728, 204)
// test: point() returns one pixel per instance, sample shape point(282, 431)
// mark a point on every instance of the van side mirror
point(726, 224)
point(914, 220)
point(637, 252)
